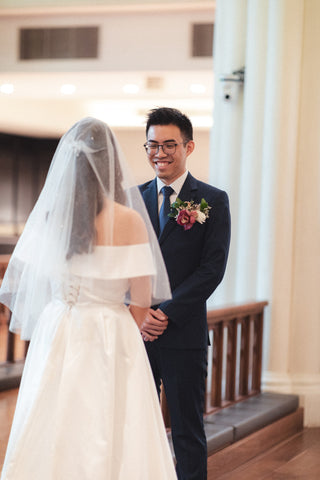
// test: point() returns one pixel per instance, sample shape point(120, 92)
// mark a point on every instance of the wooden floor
point(297, 458)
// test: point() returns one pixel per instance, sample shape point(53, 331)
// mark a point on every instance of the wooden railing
point(234, 357)
point(12, 349)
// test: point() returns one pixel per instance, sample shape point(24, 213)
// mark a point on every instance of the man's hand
point(154, 324)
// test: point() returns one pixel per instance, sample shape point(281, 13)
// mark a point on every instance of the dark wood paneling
point(24, 163)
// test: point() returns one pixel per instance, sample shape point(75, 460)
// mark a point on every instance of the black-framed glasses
point(167, 148)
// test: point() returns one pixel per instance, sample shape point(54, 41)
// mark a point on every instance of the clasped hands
point(154, 324)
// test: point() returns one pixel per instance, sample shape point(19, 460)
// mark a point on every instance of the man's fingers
point(152, 330)
point(158, 314)
point(155, 322)
point(148, 338)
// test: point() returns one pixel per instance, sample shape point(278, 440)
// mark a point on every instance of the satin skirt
point(87, 407)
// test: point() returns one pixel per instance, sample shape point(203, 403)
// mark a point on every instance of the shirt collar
point(176, 185)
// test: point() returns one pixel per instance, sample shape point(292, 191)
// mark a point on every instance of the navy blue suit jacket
point(195, 260)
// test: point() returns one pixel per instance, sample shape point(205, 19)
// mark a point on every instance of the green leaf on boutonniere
point(203, 205)
point(173, 213)
point(178, 203)
point(174, 208)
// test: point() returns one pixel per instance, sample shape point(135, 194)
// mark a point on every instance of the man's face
point(168, 167)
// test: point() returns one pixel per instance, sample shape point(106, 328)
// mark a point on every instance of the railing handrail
point(236, 310)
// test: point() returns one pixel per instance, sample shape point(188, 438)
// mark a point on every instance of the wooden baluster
point(244, 356)
point(10, 347)
point(217, 355)
point(231, 360)
point(257, 352)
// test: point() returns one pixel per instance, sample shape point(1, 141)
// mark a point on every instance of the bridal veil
point(88, 175)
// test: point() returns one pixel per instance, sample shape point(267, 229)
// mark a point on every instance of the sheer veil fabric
point(87, 406)
point(88, 182)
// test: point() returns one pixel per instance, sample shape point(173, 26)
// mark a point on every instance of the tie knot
point(167, 191)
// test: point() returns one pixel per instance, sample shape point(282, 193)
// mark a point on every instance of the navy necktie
point(165, 207)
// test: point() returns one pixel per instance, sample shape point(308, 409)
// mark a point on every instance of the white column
point(301, 373)
point(226, 137)
point(251, 217)
point(277, 236)
point(265, 152)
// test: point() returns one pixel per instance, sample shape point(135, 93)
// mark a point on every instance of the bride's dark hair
point(98, 176)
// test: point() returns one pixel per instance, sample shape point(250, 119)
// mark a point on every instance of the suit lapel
point(150, 196)
point(187, 193)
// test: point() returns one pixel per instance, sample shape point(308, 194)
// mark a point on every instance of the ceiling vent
point(202, 40)
point(56, 43)
point(154, 83)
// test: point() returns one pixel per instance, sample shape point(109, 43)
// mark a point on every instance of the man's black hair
point(170, 116)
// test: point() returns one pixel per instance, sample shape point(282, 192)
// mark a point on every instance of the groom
point(195, 253)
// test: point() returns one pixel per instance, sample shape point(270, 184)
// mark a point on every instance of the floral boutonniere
point(188, 213)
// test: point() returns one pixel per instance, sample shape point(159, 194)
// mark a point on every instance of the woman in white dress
point(79, 282)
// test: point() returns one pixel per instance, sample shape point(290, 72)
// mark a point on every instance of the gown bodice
point(103, 276)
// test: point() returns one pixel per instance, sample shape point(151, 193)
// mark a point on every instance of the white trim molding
point(307, 386)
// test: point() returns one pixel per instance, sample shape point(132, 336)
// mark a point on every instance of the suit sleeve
point(197, 287)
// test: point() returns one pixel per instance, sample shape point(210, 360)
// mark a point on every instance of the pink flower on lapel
point(186, 219)
point(188, 213)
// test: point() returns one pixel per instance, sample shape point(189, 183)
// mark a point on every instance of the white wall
point(129, 41)
point(134, 46)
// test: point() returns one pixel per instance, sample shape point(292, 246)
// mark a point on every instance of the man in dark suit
point(195, 252)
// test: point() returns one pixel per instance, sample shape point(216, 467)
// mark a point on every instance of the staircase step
point(253, 413)
point(244, 450)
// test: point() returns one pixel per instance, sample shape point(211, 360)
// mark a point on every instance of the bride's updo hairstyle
point(97, 178)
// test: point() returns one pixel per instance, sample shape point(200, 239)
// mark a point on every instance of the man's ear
point(190, 147)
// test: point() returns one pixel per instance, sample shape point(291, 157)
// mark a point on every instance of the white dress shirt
point(176, 186)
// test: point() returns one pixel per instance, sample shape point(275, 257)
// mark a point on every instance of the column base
point(306, 386)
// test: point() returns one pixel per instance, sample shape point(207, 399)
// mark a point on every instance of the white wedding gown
point(87, 407)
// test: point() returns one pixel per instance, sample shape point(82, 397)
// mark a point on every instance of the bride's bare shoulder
point(129, 227)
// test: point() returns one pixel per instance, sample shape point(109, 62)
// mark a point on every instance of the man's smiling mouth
point(162, 163)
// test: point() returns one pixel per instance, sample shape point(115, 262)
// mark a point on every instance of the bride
point(82, 276)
